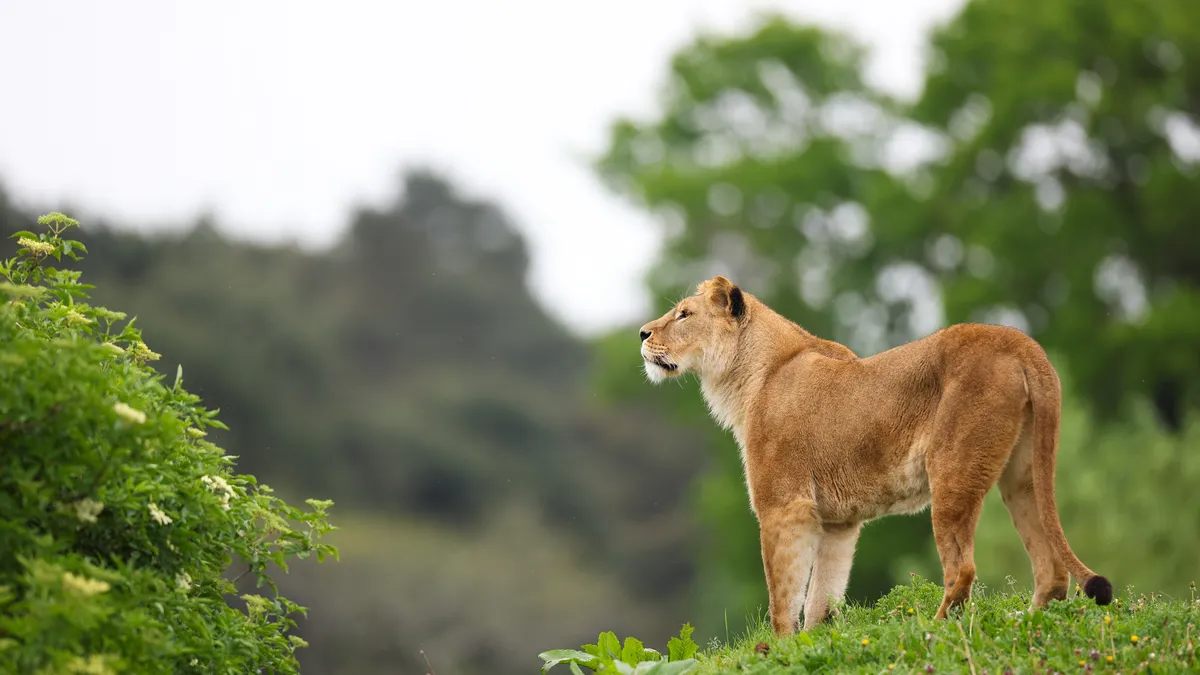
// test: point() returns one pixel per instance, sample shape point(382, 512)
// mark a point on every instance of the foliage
point(1071, 158)
point(993, 634)
point(1047, 185)
point(119, 519)
point(608, 655)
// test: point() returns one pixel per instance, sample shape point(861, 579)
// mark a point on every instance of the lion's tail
point(1045, 394)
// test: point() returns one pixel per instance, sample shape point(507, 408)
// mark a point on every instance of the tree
point(1073, 141)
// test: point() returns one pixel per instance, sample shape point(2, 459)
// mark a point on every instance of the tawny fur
point(830, 441)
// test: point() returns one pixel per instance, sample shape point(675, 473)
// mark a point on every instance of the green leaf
point(682, 647)
point(554, 657)
point(633, 651)
point(609, 644)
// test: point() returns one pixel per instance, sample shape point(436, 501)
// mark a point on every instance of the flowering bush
point(118, 520)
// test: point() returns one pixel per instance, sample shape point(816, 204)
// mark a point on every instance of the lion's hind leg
point(1050, 577)
point(975, 431)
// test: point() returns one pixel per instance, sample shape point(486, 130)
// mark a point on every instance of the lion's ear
point(725, 294)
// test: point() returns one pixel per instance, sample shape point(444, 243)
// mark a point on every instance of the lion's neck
point(768, 341)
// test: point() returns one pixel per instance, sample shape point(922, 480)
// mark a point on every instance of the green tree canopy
point(1043, 179)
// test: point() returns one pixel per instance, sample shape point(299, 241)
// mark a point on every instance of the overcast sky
point(278, 116)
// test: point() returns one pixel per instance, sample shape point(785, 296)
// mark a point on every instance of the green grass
point(1137, 633)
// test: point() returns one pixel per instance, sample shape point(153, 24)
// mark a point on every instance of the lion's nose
point(645, 334)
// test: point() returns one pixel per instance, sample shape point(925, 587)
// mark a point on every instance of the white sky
point(278, 116)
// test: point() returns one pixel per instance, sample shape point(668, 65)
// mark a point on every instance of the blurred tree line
point(1044, 178)
point(490, 504)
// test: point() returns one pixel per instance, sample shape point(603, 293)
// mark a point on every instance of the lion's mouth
point(669, 367)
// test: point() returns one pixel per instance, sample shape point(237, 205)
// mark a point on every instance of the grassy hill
point(1148, 633)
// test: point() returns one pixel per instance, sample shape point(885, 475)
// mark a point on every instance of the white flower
point(83, 585)
point(158, 515)
point(183, 580)
point(74, 318)
point(87, 510)
point(219, 484)
point(129, 414)
point(113, 347)
point(38, 248)
point(196, 433)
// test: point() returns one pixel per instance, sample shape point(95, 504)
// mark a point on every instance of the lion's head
point(698, 334)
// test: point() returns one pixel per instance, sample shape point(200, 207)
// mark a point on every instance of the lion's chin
point(657, 371)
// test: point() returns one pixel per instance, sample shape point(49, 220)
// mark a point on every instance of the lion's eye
point(683, 314)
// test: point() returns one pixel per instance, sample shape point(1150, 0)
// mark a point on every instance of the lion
point(830, 441)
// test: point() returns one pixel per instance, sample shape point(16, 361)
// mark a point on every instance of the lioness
point(830, 441)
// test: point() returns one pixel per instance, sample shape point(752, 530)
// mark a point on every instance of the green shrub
point(118, 520)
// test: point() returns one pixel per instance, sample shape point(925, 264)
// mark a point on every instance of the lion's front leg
point(789, 535)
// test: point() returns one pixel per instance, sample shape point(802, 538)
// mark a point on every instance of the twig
point(239, 577)
point(431, 671)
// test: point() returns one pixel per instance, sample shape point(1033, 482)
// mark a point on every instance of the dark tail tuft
point(1099, 589)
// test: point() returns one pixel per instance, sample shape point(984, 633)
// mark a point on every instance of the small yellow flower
point(158, 515)
point(38, 248)
point(1108, 659)
point(255, 605)
point(297, 641)
point(891, 666)
point(1107, 620)
point(910, 610)
point(1082, 663)
point(83, 585)
point(141, 352)
point(1133, 639)
point(87, 510)
point(129, 413)
point(75, 318)
point(866, 642)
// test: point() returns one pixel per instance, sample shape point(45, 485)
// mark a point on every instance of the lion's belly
point(901, 490)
